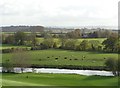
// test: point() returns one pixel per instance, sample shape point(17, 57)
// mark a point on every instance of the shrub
point(6, 50)
point(13, 49)
point(113, 65)
point(75, 59)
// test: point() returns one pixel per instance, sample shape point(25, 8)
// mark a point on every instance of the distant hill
point(23, 28)
point(51, 29)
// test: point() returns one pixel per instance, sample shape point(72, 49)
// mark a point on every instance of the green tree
point(70, 44)
point(117, 46)
point(46, 35)
point(55, 45)
point(110, 43)
point(2, 38)
point(10, 39)
point(48, 43)
point(84, 45)
point(62, 40)
point(118, 67)
point(33, 39)
point(94, 44)
point(20, 38)
point(113, 65)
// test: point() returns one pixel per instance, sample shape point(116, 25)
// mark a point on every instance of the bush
point(7, 50)
point(13, 49)
point(113, 65)
point(70, 44)
point(36, 48)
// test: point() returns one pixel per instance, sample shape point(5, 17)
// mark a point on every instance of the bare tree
point(113, 65)
point(21, 59)
point(7, 66)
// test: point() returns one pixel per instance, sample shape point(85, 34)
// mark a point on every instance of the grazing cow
point(65, 58)
point(83, 56)
point(56, 58)
point(75, 59)
point(26, 76)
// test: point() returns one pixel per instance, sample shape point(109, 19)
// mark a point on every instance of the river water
point(63, 71)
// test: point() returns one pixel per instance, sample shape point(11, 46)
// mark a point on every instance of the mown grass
point(35, 79)
point(65, 57)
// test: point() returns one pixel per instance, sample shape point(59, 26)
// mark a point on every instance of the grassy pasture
point(34, 79)
point(65, 57)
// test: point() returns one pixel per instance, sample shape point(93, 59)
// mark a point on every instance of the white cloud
point(59, 12)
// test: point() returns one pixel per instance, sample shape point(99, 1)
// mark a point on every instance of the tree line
point(78, 33)
point(111, 44)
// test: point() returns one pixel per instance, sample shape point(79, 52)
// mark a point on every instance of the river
point(63, 71)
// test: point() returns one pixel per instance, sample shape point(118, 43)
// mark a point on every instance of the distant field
point(48, 57)
point(15, 32)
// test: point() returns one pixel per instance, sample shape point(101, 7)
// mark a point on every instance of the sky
point(59, 12)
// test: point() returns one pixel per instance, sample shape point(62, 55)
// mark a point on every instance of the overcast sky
point(59, 12)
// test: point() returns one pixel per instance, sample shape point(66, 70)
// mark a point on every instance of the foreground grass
point(35, 79)
point(48, 57)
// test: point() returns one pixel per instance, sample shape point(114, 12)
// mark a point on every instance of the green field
point(48, 57)
point(34, 79)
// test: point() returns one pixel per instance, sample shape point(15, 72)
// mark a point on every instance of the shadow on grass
point(98, 78)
